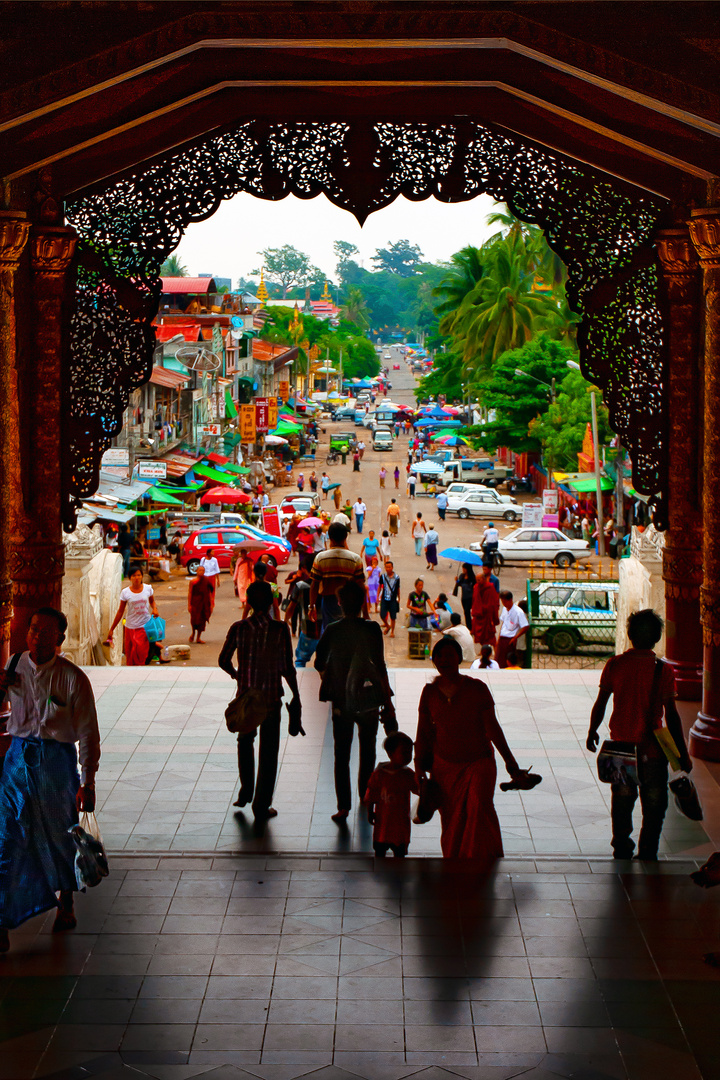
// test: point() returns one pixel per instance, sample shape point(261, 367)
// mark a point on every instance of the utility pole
point(620, 491)
point(598, 483)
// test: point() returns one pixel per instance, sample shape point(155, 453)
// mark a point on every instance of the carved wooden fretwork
point(603, 232)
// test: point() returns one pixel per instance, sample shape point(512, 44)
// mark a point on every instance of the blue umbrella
point(462, 555)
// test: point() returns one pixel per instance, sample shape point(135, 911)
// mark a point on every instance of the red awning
point(188, 285)
point(218, 459)
point(188, 330)
point(165, 377)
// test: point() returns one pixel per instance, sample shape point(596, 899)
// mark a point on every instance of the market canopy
point(159, 496)
point(239, 469)
point(588, 484)
point(225, 495)
point(214, 474)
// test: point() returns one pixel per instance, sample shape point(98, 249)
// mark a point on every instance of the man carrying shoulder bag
point(642, 687)
point(351, 662)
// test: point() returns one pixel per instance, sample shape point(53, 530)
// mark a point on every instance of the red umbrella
point(225, 495)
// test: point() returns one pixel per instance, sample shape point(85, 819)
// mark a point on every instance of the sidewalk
point(168, 774)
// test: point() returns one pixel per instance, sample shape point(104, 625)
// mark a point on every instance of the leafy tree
point(516, 400)
point(358, 355)
point(172, 267)
point(287, 266)
point(445, 377)
point(355, 309)
point(561, 429)
point(400, 258)
point(344, 252)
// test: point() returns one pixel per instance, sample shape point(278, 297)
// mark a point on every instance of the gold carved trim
point(677, 253)
point(52, 250)
point(704, 228)
point(14, 231)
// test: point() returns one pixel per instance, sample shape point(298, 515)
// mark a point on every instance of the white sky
point(227, 244)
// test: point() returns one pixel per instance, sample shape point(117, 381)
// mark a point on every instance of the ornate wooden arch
point(604, 232)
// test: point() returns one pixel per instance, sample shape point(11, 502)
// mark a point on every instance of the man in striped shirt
point(332, 569)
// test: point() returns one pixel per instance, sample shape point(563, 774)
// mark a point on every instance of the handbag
point(246, 712)
point(428, 801)
point(686, 797)
point(91, 864)
point(155, 629)
point(617, 763)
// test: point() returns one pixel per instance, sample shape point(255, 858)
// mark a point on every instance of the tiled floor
point(168, 774)
point(257, 966)
point(272, 954)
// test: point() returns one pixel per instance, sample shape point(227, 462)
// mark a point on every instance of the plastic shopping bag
point(91, 864)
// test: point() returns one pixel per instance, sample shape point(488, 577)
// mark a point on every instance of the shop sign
point(205, 430)
point(532, 515)
point(271, 520)
point(116, 455)
point(247, 423)
point(272, 413)
point(152, 470)
point(550, 500)
point(262, 414)
point(284, 391)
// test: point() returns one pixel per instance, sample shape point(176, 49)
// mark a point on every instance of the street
point(172, 595)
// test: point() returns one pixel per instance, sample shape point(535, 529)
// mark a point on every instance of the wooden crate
point(418, 640)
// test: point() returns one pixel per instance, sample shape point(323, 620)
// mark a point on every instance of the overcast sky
point(228, 244)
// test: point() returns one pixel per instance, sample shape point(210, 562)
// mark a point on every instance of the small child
point(388, 797)
point(373, 584)
point(385, 545)
point(485, 660)
point(513, 661)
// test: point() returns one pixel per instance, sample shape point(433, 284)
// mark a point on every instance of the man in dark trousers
point(353, 638)
point(125, 541)
point(642, 688)
point(264, 658)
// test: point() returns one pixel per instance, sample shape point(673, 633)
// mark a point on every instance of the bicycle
point(333, 457)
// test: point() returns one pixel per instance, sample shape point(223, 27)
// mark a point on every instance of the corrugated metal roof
point(172, 379)
point(188, 285)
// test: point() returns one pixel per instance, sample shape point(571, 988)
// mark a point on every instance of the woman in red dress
point(485, 611)
point(457, 730)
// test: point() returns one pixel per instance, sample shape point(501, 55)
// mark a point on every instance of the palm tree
point(172, 267)
point(355, 308)
point(502, 311)
point(467, 267)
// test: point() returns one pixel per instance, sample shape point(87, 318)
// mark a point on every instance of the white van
point(382, 439)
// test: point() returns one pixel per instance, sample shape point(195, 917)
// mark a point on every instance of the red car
point(223, 539)
point(396, 367)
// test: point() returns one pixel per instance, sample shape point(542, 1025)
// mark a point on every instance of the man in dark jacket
point(350, 655)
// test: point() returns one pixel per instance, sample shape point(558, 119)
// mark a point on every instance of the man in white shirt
point(359, 510)
point(513, 624)
point(361, 449)
point(462, 635)
point(52, 708)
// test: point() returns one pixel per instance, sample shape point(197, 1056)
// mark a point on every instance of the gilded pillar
point(682, 555)
point(37, 557)
point(14, 229)
point(705, 734)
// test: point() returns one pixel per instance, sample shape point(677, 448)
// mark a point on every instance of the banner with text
point(262, 415)
point(247, 423)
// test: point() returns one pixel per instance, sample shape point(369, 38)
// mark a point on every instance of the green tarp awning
point(239, 469)
point(587, 484)
point(214, 474)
